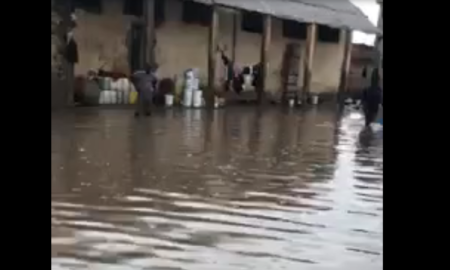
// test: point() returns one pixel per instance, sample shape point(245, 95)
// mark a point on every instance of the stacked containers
point(115, 92)
point(191, 84)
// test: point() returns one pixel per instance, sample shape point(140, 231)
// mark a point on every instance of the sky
point(371, 9)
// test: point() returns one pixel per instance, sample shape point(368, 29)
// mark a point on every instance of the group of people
point(145, 82)
point(235, 77)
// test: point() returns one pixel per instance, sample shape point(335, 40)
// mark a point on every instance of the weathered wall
point(101, 40)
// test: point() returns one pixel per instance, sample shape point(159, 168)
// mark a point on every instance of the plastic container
point(169, 98)
point(189, 74)
point(247, 82)
point(133, 96)
point(101, 98)
point(291, 103)
point(120, 84)
point(192, 83)
point(114, 85)
point(102, 83)
point(119, 95)
point(107, 83)
point(216, 102)
point(126, 96)
point(126, 84)
point(187, 97)
point(197, 98)
point(106, 97)
point(315, 100)
point(113, 97)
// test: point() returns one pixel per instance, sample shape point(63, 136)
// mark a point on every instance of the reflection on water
point(236, 189)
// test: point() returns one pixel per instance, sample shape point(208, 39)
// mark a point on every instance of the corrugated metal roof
point(334, 13)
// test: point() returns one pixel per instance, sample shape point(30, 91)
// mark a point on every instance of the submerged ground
point(236, 189)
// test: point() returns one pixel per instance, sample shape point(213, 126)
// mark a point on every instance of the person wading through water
point(372, 98)
point(145, 83)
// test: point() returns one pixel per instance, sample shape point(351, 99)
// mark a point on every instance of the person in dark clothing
point(232, 80)
point(71, 52)
point(364, 72)
point(71, 56)
point(256, 73)
point(230, 70)
point(145, 83)
point(372, 98)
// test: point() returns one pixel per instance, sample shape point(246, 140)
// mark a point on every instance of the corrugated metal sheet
point(334, 13)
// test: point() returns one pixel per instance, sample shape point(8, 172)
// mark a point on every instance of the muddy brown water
point(236, 189)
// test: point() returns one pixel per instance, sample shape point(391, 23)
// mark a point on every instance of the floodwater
point(236, 189)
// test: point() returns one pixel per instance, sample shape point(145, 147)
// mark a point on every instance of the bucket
point(126, 96)
point(133, 96)
point(189, 74)
point(291, 103)
point(113, 97)
point(122, 84)
point(315, 100)
point(187, 97)
point(119, 94)
point(101, 98)
point(103, 83)
point(107, 83)
point(197, 98)
point(169, 100)
point(106, 97)
point(247, 81)
point(114, 85)
point(192, 83)
point(216, 102)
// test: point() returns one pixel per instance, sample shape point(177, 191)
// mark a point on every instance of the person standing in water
point(145, 83)
point(229, 67)
point(372, 98)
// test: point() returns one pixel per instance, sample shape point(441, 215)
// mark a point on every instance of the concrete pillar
point(150, 34)
point(213, 33)
point(346, 61)
point(311, 39)
point(234, 37)
point(265, 49)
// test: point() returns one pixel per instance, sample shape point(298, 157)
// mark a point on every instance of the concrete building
point(182, 32)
